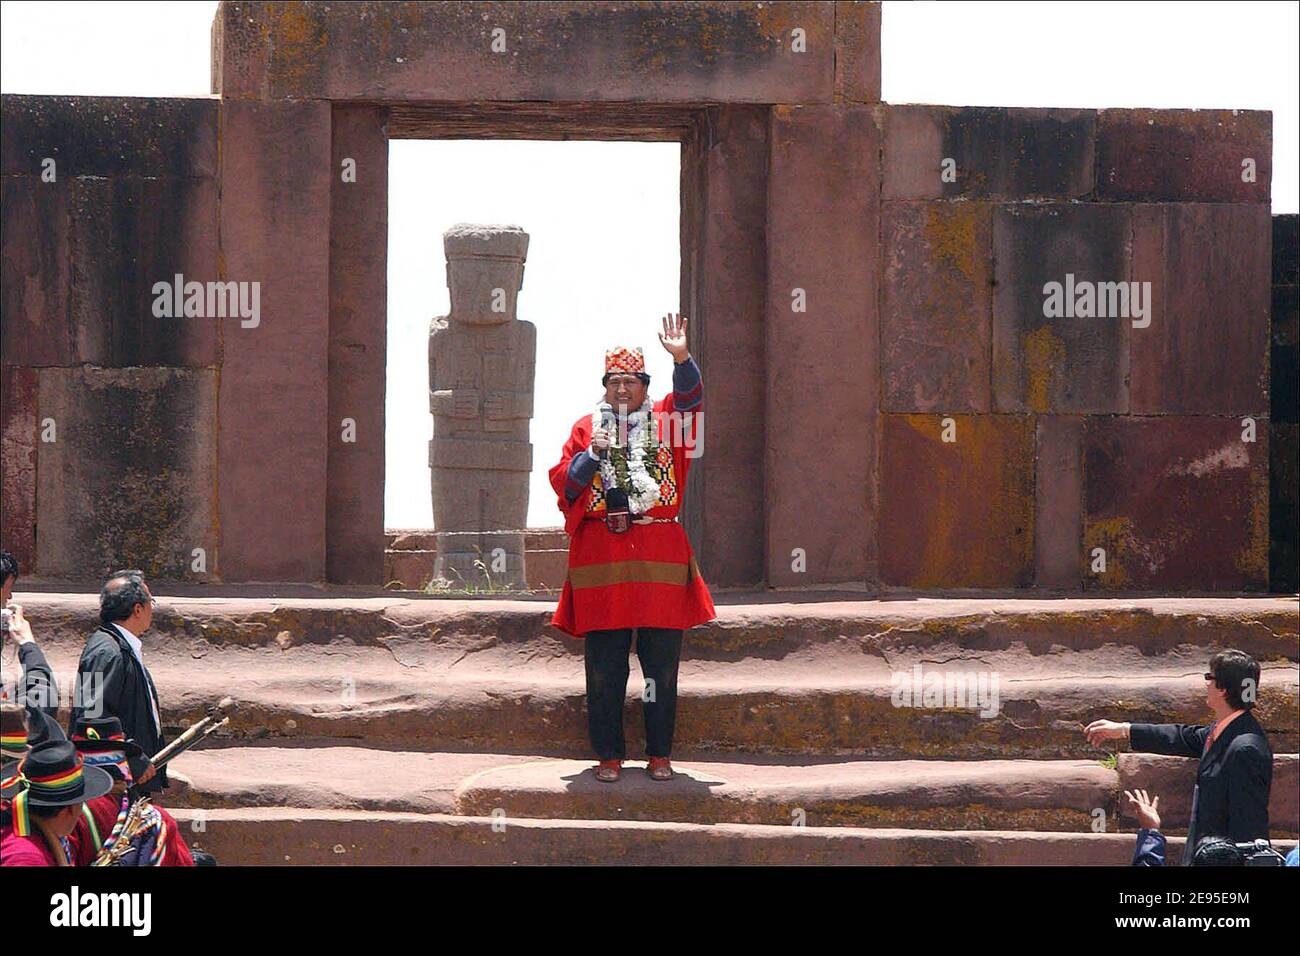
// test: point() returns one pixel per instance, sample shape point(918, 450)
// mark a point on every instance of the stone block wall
point(889, 401)
point(1070, 435)
point(109, 409)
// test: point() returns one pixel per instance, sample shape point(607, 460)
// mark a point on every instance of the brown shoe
point(608, 771)
point(660, 768)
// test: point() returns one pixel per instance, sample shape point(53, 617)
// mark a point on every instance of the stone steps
point(1058, 795)
point(290, 836)
point(403, 730)
point(810, 679)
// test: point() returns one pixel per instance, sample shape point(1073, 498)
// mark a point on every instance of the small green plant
point(446, 587)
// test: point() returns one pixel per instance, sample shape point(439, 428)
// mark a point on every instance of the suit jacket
point(123, 690)
point(1232, 781)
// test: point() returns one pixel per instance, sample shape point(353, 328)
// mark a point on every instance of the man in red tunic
point(620, 481)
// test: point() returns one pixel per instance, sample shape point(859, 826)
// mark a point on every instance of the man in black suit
point(1230, 799)
point(112, 680)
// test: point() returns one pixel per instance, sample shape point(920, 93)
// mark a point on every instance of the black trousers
point(606, 652)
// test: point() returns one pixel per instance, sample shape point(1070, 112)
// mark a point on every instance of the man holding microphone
point(620, 481)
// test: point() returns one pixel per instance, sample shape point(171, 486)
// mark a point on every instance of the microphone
point(607, 422)
point(618, 517)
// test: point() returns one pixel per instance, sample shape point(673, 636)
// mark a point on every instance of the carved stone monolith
point(481, 366)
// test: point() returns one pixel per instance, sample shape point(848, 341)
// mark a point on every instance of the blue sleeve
point(1150, 849)
point(688, 386)
point(581, 469)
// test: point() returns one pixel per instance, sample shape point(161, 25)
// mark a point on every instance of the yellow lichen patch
point(1044, 352)
point(970, 536)
point(952, 233)
point(1115, 536)
point(299, 41)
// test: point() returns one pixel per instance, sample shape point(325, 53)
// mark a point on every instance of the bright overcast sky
point(603, 264)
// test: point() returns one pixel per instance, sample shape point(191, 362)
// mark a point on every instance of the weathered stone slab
point(1283, 512)
point(1286, 249)
point(1284, 395)
point(959, 513)
point(1063, 363)
point(130, 479)
point(724, 199)
point(274, 400)
point(18, 438)
point(1284, 389)
point(995, 153)
point(1184, 155)
point(935, 326)
point(1206, 348)
point(1177, 503)
point(109, 135)
point(358, 335)
point(857, 52)
point(633, 51)
point(822, 343)
point(1058, 502)
point(34, 321)
point(127, 235)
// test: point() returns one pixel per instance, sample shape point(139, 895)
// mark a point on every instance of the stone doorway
point(601, 221)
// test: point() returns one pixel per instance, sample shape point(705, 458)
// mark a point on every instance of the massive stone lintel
point(632, 51)
point(481, 364)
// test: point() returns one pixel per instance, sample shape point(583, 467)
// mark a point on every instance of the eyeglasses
point(1209, 675)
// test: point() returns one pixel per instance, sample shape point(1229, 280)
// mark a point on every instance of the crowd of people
point(88, 796)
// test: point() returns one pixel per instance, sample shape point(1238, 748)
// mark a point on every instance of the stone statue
point(481, 364)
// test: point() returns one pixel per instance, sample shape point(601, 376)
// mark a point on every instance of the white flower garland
point(643, 442)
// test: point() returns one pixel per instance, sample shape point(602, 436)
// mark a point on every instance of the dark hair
point(8, 566)
point(645, 379)
point(1234, 672)
point(121, 593)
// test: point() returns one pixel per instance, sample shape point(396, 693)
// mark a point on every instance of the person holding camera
point(1235, 775)
point(36, 687)
point(620, 481)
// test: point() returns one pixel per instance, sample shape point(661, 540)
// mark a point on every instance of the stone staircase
point(407, 730)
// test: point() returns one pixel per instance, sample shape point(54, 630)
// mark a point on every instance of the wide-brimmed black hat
point(52, 774)
point(102, 743)
point(102, 734)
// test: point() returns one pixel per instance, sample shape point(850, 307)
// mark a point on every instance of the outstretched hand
point(1145, 808)
point(673, 337)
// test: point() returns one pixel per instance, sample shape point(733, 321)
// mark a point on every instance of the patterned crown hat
point(623, 359)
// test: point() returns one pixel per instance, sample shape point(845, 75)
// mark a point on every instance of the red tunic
point(18, 850)
point(105, 810)
point(645, 577)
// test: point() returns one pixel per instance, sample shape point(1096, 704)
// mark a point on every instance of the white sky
point(603, 261)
